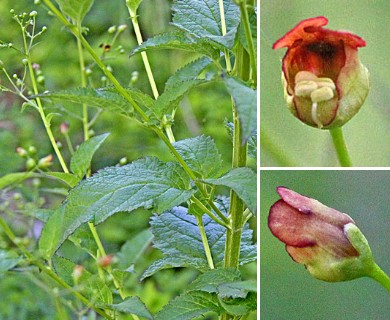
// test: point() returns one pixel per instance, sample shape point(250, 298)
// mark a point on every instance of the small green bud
point(41, 80)
point(37, 2)
point(17, 196)
point(33, 14)
point(21, 152)
point(44, 28)
point(36, 182)
point(109, 68)
point(25, 61)
point(32, 150)
point(88, 71)
point(112, 29)
point(91, 132)
point(12, 11)
point(45, 162)
point(30, 163)
point(123, 161)
point(122, 27)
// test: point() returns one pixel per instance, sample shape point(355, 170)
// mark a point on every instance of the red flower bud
point(325, 240)
point(325, 83)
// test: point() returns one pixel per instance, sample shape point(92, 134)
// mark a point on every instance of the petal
point(309, 205)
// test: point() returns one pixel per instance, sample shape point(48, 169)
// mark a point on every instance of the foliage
point(157, 208)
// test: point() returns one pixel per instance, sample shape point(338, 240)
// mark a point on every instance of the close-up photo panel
point(324, 245)
point(324, 83)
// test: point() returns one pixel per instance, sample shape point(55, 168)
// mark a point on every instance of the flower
point(325, 83)
point(325, 240)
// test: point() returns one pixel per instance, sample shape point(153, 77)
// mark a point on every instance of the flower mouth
point(324, 49)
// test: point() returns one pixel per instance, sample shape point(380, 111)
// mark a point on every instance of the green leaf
point(237, 289)
point(180, 41)
point(81, 160)
point(8, 260)
point(170, 98)
point(133, 4)
point(189, 306)
point(132, 305)
point(15, 178)
point(201, 155)
point(133, 249)
point(89, 285)
point(245, 100)
point(202, 19)
point(70, 179)
point(243, 182)
point(76, 9)
point(148, 183)
point(104, 98)
point(177, 235)
point(189, 72)
point(212, 279)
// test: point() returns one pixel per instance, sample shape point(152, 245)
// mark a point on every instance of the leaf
point(237, 289)
point(181, 41)
point(76, 9)
point(202, 19)
point(132, 305)
point(177, 235)
point(211, 280)
point(133, 4)
point(8, 260)
point(243, 182)
point(70, 179)
point(240, 307)
point(245, 100)
point(104, 98)
point(169, 99)
point(133, 249)
point(81, 160)
point(201, 155)
point(189, 72)
point(15, 178)
point(148, 183)
point(189, 306)
point(90, 285)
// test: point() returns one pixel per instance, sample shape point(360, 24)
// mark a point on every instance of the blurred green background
point(288, 292)
point(367, 134)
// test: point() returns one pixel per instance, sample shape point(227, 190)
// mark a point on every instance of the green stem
point(83, 84)
point(249, 40)
point(341, 147)
point(379, 275)
point(224, 30)
point(205, 242)
point(46, 270)
point(201, 206)
point(137, 31)
point(40, 106)
point(144, 56)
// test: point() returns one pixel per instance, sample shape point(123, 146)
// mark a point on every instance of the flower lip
point(302, 222)
point(310, 30)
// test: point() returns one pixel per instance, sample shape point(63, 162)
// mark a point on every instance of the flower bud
point(21, 152)
point(45, 162)
point(325, 84)
point(325, 240)
point(104, 262)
